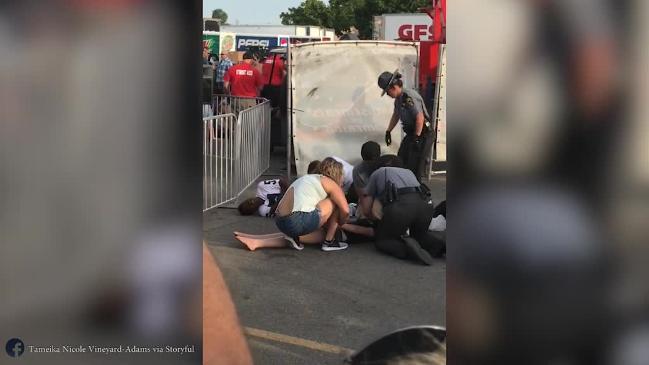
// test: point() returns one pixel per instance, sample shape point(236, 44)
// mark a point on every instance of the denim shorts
point(299, 224)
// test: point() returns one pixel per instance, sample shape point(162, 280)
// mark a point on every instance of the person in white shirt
point(269, 193)
point(348, 175)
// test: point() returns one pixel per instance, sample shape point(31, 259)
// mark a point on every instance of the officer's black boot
point(415, 251)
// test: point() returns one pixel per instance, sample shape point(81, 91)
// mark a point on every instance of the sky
point(250, 11)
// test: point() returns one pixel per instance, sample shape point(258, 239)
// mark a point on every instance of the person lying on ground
point(406, 208)
point(269, 193)
point(363, 229)
point(313, 202)
point(359, 231)
point(273, 240)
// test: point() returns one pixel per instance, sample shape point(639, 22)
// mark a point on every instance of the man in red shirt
point(245, 81)
point(274, 72)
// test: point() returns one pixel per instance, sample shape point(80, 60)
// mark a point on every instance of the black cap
point(386, 79)
point(248, 55)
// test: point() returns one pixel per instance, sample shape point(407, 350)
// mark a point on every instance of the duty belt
point(391, 194)
point(410, 190)
point(427, 128)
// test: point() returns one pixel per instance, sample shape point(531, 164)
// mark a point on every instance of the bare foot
point(255, 243)
point(248, 242)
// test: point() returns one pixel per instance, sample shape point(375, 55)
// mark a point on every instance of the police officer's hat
point(387, 79)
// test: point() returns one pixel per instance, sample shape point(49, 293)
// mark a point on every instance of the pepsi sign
point(243, 42)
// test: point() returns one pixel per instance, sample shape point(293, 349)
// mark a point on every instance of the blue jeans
point(299, 224)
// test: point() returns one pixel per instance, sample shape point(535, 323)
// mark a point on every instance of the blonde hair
point(332, 169)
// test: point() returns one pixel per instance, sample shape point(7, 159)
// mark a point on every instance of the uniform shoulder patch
point(410, 102)
point(407, 101)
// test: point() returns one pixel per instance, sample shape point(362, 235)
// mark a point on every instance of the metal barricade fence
point(221, 156)
point(236, 149)
point(255, 142)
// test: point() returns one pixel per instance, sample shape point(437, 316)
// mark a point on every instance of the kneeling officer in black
point(406, 207)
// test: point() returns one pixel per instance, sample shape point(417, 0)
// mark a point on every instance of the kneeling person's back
point(399, 177)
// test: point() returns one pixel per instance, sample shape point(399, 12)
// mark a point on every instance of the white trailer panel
point(337, 104)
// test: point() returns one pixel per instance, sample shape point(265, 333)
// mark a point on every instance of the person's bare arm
point(366, 199)
point(366, 202)
point(393, 121)
point(353, 228)
point(223, 341)
point(337, 196)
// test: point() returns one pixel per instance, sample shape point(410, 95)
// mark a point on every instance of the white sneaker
point(334, 245)
point(292, 243)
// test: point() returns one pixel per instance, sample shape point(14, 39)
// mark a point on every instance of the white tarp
point(337, 104)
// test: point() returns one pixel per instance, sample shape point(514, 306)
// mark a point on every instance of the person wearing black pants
point(409, 108)
point(402, 231)
point(274, 73)
point(416, 150)
point(411, 212)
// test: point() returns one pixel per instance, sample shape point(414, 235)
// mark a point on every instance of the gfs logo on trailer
point(406, 27)
point(415, 32)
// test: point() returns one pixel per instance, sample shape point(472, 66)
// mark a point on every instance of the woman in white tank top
point(313, 202)
point(310, 212)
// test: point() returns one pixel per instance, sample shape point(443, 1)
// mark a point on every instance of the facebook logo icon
point(15, 347)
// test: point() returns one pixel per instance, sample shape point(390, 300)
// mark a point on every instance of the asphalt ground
point(313, 307)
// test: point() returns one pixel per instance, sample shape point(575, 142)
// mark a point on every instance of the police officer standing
point(409, 107)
